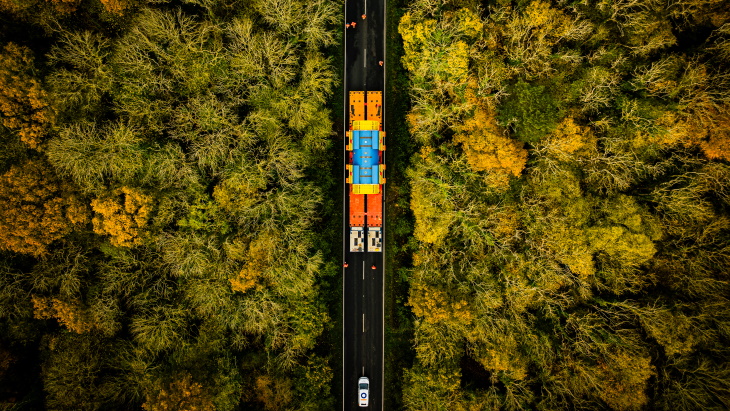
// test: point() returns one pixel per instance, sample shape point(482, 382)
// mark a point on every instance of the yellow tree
point(486, 146)
point(570, 139)
point(23, 102)
point(439, 306)
point(36, 209)
point(258, 259)
point(182, 394)
point(531, 36)
point(122, 216)
point(430, 201)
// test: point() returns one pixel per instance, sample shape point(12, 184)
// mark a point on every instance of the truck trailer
point(365, 170)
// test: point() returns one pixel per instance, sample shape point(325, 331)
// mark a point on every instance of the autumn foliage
point(162, 193)
point(486, 146)
point(123, 216)
point(184, 394)
point(569, 195)
point(71, 315)
point(36, 209)
point(24, 103)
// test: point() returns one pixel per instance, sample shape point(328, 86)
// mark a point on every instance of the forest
point(558, 205)
point(570, 190)
point(161, 194)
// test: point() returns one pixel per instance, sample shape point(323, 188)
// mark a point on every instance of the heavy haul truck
point(365, 170)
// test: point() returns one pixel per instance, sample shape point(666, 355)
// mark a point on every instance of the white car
point(363, 391)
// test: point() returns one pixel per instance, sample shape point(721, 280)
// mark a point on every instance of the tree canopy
point(161, 216)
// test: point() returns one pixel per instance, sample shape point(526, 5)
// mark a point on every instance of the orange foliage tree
point(71, 315)
point(183, 394)
point(23, 102)
point(259, 257)
point(36, 209)
point(115, 6)
point(711, 132)
point(275, 393)
point(122, 216)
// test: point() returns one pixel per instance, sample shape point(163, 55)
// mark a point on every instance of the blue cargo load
point(366, 157)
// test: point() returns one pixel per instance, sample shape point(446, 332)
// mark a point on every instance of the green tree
point(531, 111)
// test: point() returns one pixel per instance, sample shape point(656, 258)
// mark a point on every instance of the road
point(363, 292)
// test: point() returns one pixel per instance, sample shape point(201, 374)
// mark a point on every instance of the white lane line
point(363, 322)
point(365, 58)
point(366, 7)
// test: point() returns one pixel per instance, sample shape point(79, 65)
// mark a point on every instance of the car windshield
point(363, 386)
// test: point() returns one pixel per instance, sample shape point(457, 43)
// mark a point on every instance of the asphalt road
point(362, 292)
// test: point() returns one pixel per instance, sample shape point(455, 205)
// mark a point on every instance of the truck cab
point(375, 239)
point(357, 239)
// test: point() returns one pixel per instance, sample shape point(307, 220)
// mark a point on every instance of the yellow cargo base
point(375, 106)
point(365, 125)
point(357, 106)
point(366, 188)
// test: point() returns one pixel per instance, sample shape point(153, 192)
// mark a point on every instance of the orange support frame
point(357, 209)
point(375, 107)
point(375, 210)
point(357, 106)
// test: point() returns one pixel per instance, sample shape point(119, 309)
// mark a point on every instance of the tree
point(97, 155)
point(486, 146)
point(24, 103)
point(570, 140)
point(82, 75)
point(430, 202)
point(528, 38)
point(37, 209)
point(159, 327)
point(123, 216)
point(73, 370)
point(182, 393)
point(531, 111)
point(274, 392)
point(71, 315)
